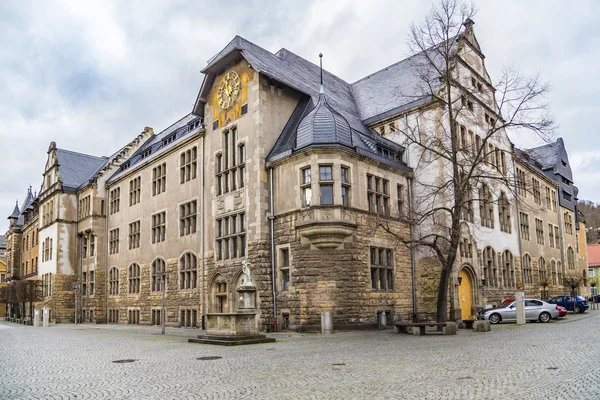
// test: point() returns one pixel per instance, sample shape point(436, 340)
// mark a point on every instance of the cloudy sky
point(91, 75)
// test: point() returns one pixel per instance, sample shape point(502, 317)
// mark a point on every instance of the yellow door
point(465, 294)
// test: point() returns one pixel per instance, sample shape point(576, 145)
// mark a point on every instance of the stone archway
point(465, 294)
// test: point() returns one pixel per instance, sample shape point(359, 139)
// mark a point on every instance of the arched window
point(486, 207)
point(133, 273)
point(570, 258)
point(542, 270)
point(158, 273)
point(113, 281)
point(527, 275)
point(504, 213)
point(559, 272)
point(490, 271)
point(187, 271)
point(553, 267)
point(508, 269)
point(219, 294)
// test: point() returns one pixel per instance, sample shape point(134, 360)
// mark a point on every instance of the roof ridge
point(78, 153)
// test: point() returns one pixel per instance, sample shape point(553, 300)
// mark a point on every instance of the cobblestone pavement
point(557, 360)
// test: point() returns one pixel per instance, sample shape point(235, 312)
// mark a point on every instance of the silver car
point(535, 310)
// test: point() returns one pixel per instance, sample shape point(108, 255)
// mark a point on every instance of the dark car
point(567, 302)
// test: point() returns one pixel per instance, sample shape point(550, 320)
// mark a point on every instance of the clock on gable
point(229, 89)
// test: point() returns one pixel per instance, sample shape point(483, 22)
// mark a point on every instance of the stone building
point(304, 176)
point(3, 270)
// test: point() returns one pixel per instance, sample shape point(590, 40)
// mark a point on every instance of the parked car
point(561, 311)
point(567, 302)
point(507, 301)
point(595, 299)
point(535, 310)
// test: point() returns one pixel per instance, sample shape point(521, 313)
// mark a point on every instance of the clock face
point(229, 88)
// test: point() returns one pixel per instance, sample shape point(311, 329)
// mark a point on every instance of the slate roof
point(77, 168)
point(2, 242)
point(16, 212)
point(155, 145)
point(323, 124)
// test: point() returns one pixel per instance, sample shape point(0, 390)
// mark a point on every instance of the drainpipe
point(412, 250)
point(272, 220)
point(106, 239)
point(203, 302)
point(80, 257)
point(562, 235)
point(518, 219)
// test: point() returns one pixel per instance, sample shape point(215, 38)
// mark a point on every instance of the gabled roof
point(77, 168)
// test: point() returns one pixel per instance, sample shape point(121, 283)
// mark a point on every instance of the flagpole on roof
point(322, 89)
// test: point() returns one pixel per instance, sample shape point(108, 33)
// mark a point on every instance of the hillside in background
point(591, 211)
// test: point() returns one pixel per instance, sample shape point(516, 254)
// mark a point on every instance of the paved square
point(558, 360)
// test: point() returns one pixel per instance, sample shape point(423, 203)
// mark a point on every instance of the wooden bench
point(400, 327)
point(469, 323)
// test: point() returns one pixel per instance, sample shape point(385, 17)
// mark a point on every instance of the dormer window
point(146, 153)
point(169, 139)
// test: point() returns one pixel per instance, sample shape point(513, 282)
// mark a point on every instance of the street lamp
point(75, 290)
point(162, 311)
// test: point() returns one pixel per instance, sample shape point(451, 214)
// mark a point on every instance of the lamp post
point(75, 290)
point(162, 311)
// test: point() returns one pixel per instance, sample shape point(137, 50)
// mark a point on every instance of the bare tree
point(456, 138)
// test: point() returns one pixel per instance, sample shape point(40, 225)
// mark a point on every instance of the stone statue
point(246, 280)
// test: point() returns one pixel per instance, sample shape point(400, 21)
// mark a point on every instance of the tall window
point(133, 273)
point(568, 223)
point(241, 165)
point(114, 200)
point(486, 207)
point(539, 231)
point(231, 237)
point(92, 245)
point(92, 284)
point(84, 207)
point(504, 213)
point(570, 258)
point(490, 269)
point(326, 184)
point(158, 272)
point(548, 199)
point(551, 235)
point(306, 187)
point(554, 276)
point(553, 200)
point(467, 210)
point(113, 243)
point(524, 225)
point(134, 235)
point(284, 268)
point(159, 227)
point(231, 163)
point(400, 193)
point(527, 269)
point(135, 190)
point(159, 179)
point(345, 180)
point(84, 247)
point(542, 269)
point(556, 238)
point(537, 197)
point(382, 268)
point(378, 195)
point(187, 271)
point(113, 281)
point(508, 269)
point(188, 165)
point(187, 218)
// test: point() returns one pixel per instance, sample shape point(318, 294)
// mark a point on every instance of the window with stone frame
point(188, 317)
point(84, 207)
point(50, 252)
point(134, 235)
point(305, 186)
point(135, 190)
point(92, 283)
point(382, 268)
point(219, 174)
point(345, 181)
point(504, 213)
point(570, 258)
point(490, 267)
point(539, 231)
point(283, 261)
point(159, 227)
point(159, 179)
point(554, 276)
point(187, 218)
point(158, 274)
point(527, 273)
point(92, 245)
point(134, 278)
point(113, 316)
point(113, 281)
point(556, 237)
point(524, 219)
point(188, 269)
point(241, 165)
point(229, 162)
point(537, 196)
point(553, 200)
point(378, 195)
point(568, 223)
point(466, 248)
point(551, 235)
point(84, 283)
point(543, 273)
point(188, 165)
point(400, 194)
point(486, 206)
point(133, 317)
point(231, 237)
point(468, 209)
point(326, 184)
point(84, 246)
point(508, 269)
point(113, 241)
point(114, 201)
point(47, 284)
point(548, 199)
point(156, 317)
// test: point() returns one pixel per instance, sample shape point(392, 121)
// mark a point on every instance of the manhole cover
point(124, 361)
point(209, 358)
point(552, 368)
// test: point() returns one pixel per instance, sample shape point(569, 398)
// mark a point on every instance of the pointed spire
point(321, 89)
point(16, 212)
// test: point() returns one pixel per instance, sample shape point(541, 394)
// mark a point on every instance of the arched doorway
point(465, 294)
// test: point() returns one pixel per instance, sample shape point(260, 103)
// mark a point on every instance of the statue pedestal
point(231, 324)
point(247, 299)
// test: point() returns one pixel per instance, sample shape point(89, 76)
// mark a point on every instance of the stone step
point(230, 337)
point(232, 340)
